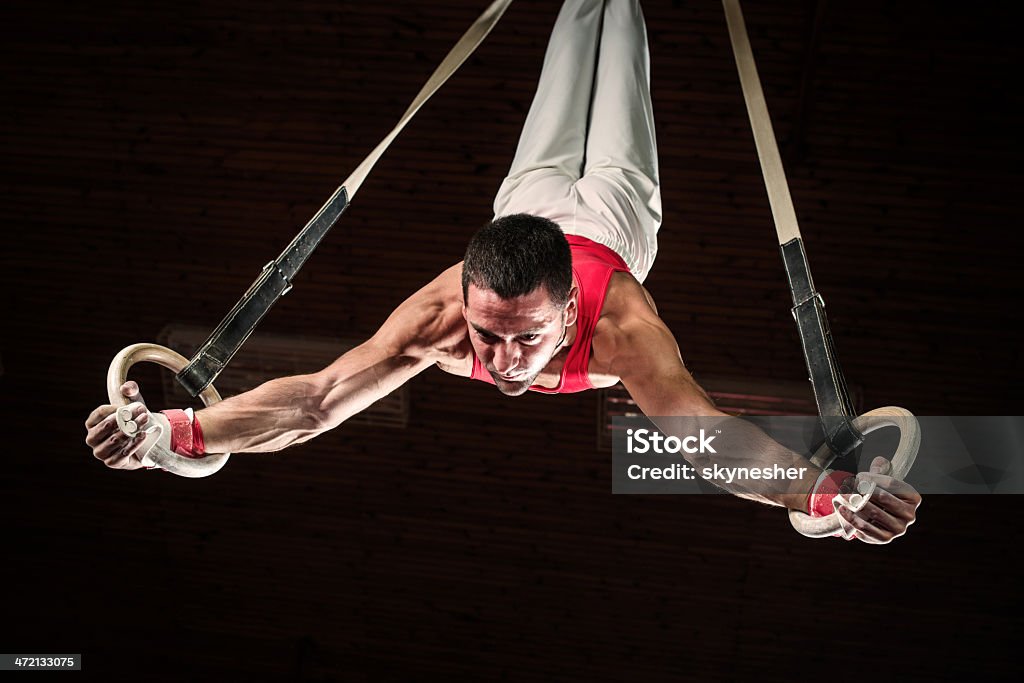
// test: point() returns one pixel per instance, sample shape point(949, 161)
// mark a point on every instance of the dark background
point(157, 154)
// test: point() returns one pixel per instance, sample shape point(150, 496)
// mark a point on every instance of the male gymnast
point(549, 296)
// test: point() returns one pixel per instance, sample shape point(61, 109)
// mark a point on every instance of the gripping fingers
point(880, 519)
point(100, 427)
point(103, 421)
point(131, 418)
point(109, 444)
point(120, 451)
point(897, 508)
point(897, 488)
point(131, 451)
point(113, 448)
point(108, 425)
point(97, 416)
point(868, 529)
point(862, 529)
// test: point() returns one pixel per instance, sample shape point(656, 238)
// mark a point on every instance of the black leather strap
point(830, 392)
point(273, 283)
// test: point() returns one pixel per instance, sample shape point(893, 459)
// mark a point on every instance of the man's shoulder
point(429, 323)
point(628, 310)
point(625, 301)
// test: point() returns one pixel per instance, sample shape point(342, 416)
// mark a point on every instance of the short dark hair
point(514, 255)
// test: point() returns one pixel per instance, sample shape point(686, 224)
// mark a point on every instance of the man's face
point(515, 338)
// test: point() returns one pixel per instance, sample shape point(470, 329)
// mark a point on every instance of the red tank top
point(592, 267)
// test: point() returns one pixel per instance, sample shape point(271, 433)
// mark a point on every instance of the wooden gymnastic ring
point(901, 462)
point(161, 355)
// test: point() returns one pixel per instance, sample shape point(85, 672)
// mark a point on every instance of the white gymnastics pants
point(587, 157)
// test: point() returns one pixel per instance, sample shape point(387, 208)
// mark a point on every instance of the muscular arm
point(291, 410)
point(644, 354)
point(637, 347)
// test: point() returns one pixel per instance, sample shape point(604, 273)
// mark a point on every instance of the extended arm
point(290, 410)
point(653, 372)
point(644, 354)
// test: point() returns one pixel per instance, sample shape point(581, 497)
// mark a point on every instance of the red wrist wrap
point(819, 503)
point(186, 437)
point(198, 445)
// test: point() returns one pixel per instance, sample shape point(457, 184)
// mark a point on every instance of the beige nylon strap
point(764, 136)
point(462, 50)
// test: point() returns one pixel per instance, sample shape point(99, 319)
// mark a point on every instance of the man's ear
point(572, 309)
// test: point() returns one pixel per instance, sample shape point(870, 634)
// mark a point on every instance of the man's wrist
point(826, 488)
point(186, 433)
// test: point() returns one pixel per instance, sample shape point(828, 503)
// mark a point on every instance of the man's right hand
point(109, 444)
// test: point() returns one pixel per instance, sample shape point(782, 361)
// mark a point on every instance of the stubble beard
point(517, 388)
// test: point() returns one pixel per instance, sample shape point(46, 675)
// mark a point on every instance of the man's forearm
point(291, 410)
point(268, 418)
point(743, 447)
point(746, 445)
